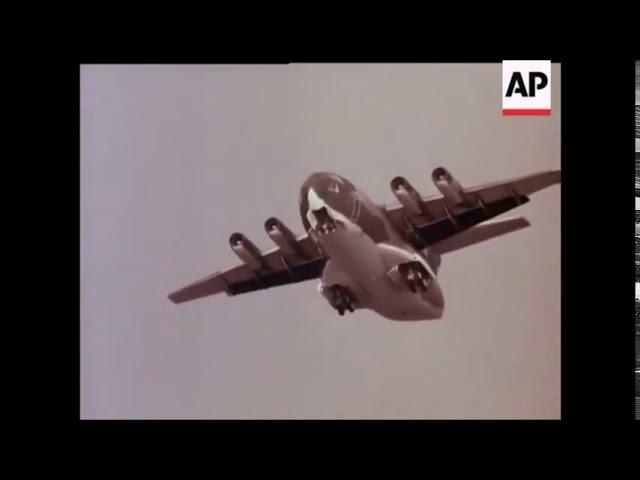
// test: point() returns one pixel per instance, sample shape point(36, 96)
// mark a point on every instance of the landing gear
point(415, 276)
point(326, 224)
point(339, 297)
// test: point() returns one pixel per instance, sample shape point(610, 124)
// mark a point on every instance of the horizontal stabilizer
point(480, 233)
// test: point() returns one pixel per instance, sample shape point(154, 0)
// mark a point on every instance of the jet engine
point(246, 250)
point(406, 195)
point(281, 236)
point(448, 186)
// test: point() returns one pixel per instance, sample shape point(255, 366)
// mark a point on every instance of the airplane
point(372, 256)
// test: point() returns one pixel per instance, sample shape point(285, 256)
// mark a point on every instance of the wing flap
point(447, 226)
point(480, 233)
point(294, 273)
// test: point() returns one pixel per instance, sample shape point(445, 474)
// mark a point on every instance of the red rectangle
point(527, 111)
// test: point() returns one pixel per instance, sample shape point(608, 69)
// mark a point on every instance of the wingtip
point(174, 297)
point(517, 222)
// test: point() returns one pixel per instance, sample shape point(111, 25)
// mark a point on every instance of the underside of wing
point(480, 233)
point(241, 279)
point(209, 285)
point(425, 221)
point(525, 185)
point(296, 259)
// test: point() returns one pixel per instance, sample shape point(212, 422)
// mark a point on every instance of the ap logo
point(526, 87)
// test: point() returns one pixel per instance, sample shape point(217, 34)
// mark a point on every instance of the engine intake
point(246, 251)
point(448, 185)
point(406, 195)
point(281, 236)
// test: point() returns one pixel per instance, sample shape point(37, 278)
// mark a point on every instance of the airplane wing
point(425, 221)
point(480, 233)
point(302, 261)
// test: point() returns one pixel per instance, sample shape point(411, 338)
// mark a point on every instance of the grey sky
point(176, 158)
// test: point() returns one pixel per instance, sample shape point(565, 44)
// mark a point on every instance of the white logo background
point(542, 99)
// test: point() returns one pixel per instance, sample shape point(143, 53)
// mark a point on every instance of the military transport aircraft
point(381, 257)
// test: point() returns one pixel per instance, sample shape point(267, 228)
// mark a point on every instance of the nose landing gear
point(326, 224)
point(415, 276)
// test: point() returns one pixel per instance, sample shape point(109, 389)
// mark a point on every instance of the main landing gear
point(339, 297)
point(415, 276)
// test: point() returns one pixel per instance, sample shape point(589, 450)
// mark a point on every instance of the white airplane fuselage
point(364, 251)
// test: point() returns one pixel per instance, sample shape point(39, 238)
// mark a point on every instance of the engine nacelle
point(406, 195)
point(448, 186)
point(246, 250)
point(281, 236)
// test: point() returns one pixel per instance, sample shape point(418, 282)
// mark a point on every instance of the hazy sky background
point(176, 158)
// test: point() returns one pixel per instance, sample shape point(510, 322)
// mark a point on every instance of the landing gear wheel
point(411, 281)
point(341, 299)
point(326, 224)
point(415, 276)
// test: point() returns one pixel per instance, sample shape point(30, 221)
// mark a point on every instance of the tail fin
point(480, 233)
